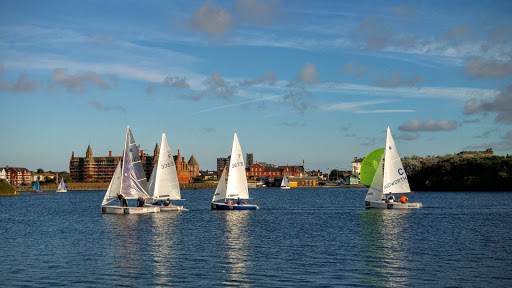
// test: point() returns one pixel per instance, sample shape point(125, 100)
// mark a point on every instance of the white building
point(356, 165)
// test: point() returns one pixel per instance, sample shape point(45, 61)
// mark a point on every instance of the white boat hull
point(59, 190)
point(285, 187)
point(172, 208)
point(391, 205)
point(223, 206)
point(129, 210)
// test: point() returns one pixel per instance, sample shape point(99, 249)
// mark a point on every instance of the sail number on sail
point(389, 184)
point(167, 165)
point(237, 164)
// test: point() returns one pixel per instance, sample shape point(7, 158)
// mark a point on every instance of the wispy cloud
point(398, 80)
point(77, 82)
point(214, 21)
point(101, 107)
point(269, 78)
point(25, 83)
point(479, 68)
point(238, 104)
point(385, 111)
point(430, 125)
point(409, 137)
point(501, 105)
point(352, 106)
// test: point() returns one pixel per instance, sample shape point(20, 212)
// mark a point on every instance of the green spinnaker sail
point(369, 166)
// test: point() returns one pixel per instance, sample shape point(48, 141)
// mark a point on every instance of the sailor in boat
point(122, 200)
point(390, 198)
point(404, 199)
point(167, 202)
point(240, 201)
point(140, 202)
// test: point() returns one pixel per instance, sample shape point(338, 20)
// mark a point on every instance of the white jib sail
point(62, 186)
point(285, 182)
point(375, 191)
point(164, 184)
point(134, 183)
point(220, 192)
point(395, 179)
point(114, 187)
point(237, 179)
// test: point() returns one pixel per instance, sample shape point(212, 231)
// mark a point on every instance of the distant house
point(3, 175)
point(208, 174)
point(352, 179)
point(42, 176)
point(486, 153)
point(356, 165)
point(18, 175)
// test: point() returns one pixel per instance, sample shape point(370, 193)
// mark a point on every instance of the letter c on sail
point(400, 171)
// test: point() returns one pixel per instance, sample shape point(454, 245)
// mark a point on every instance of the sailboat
point(237, 183)
point(285, 184)
point(62, 186)
point(164, 183)
point(388, 177)
point(129, 180)
point(37, 187)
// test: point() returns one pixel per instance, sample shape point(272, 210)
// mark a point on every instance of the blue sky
point(317, 81)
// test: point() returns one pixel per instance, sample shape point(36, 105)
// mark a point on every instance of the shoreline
point(184, 186)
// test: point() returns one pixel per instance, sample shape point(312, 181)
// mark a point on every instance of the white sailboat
point(62, 186)
point(236, 188)
point(389, 177)
point(164, 183)
point(285, 184)
point(129, 180)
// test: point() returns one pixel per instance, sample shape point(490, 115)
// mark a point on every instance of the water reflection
point(142, 246)
point(385, 249)
point(125, 247)
point(163, 242)
point(236, 243)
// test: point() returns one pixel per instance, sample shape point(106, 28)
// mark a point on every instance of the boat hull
point(172, 208)
point(391, 205)
point(222, 206)
point(60, 190)
point(129, 210)
point(285, 187)
point(37, 191)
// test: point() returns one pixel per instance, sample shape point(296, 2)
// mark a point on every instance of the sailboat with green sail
point(383, 171)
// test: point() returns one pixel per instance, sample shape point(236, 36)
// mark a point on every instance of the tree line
point(457, 173)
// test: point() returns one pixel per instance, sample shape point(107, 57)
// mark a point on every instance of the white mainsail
point(285, 183)
point(220, 192)
point(237, 179)
point(395, 179)
point(114, 187)
point(133, 181)
point(164, 181)
point(62, 186)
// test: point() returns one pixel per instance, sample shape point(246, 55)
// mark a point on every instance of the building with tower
point(101, 169)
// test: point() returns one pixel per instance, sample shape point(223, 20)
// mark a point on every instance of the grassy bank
point(5, 188)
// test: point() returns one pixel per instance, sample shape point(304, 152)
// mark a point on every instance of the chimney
point(72, 155)
point(141, 153)
point(355, 158)
point(109, 153)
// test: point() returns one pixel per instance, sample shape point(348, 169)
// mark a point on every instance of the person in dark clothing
point(167, 202)
point(122, 200)
point(141, 202)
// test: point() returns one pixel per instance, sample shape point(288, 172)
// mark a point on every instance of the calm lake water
point(300, 237)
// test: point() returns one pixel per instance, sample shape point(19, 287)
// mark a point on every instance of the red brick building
point(18, 176)
point(263, 171)
point(101, 169)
